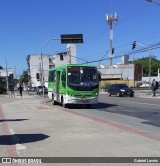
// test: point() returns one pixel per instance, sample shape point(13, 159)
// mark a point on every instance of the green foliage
point(106, 85)
point(155, 64)
point(2, 89)
point(24, 78)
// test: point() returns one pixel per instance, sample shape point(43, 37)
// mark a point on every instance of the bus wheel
point(54, 102)
point(62, 102)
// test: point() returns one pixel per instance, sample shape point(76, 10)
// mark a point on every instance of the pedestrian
point(11, 91)
point(154, 86)
point(20, 89)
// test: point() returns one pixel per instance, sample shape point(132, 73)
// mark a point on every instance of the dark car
point(33, 89)
point(39, 90)
point(120, 90)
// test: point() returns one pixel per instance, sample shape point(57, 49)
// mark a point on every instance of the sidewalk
point(146, 94)
point(39, 129)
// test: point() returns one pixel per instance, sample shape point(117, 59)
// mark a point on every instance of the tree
point(24, 78)
point(155, 64)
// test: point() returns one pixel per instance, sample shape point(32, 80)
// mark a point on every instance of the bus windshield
point(82, 78)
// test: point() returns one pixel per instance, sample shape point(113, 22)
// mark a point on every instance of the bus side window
point(52, 76)
point(63, 78)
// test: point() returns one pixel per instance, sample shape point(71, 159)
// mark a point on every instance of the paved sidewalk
point(41, 130)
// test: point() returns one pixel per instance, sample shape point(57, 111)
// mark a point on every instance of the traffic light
point(112, 51)
point(61, 57)
point(134, 45)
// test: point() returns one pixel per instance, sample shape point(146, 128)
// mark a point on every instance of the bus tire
point(62, 102)
point(54, 102)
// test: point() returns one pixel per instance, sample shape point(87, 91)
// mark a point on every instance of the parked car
point(29, 88)
point(120, 90)
point(33, 89)
point(39, 90)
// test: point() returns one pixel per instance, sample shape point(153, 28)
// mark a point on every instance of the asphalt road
point(138, 112)
point(141, 113)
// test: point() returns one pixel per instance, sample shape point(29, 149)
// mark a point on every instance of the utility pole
point(7, 86)
point(111, 20)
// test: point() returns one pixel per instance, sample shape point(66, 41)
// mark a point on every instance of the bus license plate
point(84, 100)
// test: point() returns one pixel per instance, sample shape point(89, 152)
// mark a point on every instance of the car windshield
point(41, 87)
point(82, 78)
point(122, 86)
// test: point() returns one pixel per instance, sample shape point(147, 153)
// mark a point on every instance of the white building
point(49, 61)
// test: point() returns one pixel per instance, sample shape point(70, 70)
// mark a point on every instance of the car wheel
point(119, 94)
point(109, 94)
point(131, 95)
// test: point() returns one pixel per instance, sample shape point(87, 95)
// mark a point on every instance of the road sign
point(71, 38)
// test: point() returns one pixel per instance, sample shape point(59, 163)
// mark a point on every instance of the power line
point(144, 49)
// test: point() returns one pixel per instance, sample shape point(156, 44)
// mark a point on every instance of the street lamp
point(42, 72)
point(153, 2)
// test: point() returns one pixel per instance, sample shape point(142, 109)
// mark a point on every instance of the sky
point(26, 24)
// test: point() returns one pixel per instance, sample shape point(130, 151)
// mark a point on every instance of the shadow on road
point(12, 120)
point(93, 106)
point(21, 138)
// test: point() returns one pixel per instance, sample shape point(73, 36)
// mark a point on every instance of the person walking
point(11, 91)
point(154, 87)
point(20, 89)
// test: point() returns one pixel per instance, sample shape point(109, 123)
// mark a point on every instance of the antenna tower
point(111, 20)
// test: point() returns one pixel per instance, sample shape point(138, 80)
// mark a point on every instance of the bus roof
point(67, 65)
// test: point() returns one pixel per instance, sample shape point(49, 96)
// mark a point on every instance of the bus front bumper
point(73, 100)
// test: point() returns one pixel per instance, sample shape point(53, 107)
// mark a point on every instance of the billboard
point(71, 38)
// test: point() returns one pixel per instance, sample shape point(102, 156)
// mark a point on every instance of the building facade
point(36, 61)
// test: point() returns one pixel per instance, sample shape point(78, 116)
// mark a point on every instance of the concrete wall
point(130, 83)
point(126, 72)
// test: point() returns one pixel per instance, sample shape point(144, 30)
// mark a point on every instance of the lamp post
point(7, 86)
point(153, 2)
point(42, 71)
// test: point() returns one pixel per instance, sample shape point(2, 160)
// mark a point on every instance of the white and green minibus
point(74, 84)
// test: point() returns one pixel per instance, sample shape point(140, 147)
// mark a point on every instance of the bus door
point(58, 85)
